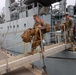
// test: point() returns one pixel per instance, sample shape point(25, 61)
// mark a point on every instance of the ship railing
point(14, 4)
point(52, 37)
point(43, 45)
point(57, 35)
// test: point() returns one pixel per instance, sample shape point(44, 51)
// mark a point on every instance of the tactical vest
point(68, 24)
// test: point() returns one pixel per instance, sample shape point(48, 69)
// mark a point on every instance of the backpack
point(26, 36)
point(48, 27)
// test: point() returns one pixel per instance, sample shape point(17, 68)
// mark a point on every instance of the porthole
point(24, 25)
point(13, 26)
point(17, 26)
point(10, 26)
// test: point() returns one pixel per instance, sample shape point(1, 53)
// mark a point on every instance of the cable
point(43, 58)
point(13, 46)
point(16, 26)
point(3, 41)
point(12, 51)
point(65, 37)
point(6, 34)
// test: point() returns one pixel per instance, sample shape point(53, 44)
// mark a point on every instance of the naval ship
point(17, 16)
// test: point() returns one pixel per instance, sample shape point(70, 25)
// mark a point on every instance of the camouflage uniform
point(57, 27)
point(69, 33)
point(36, 38)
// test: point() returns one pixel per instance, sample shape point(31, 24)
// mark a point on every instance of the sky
point(2, 3)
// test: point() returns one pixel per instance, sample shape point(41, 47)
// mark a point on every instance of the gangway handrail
point(15, 64)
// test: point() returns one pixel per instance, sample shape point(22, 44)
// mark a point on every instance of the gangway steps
point(24, 60)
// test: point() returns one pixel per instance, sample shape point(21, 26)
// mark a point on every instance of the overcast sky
point(2, 3)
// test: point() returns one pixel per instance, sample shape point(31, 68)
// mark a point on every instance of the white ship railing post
point(43, 58)
point(7, 69)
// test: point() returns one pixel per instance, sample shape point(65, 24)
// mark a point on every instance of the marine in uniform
point(57, 26)
point(36, 38)
point(69, 27)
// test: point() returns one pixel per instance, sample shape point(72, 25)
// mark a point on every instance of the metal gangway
point(15, 62)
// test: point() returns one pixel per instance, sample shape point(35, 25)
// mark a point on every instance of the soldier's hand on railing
point(72, 29)
point(30, 28)
point(63, 27)
point(39, 26)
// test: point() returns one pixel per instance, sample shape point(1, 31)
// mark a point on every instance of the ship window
point(14, 26)
point(30, 7)
point(26, 13)
point(10, 26)
point(17, 26)
point(1, 27)
point(35, 4)
point(24, 25)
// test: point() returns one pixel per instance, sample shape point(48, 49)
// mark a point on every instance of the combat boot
point(75, 49)
point(31, 53)
point(74, 43)
point(41, 51)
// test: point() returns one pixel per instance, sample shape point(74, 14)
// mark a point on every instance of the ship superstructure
point(18, 16)
point(15, 19)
